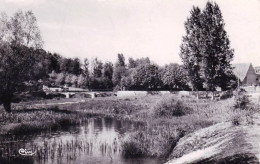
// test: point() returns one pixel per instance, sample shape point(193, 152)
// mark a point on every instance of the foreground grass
point(166, 118)
point(36, 120)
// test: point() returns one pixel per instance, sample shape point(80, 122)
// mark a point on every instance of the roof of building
point(241, 69)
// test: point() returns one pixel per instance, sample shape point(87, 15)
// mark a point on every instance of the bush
point(226, 95)
point(236, 120)
point(131, 149)
point(170, 107)
point(136, 145)
point(242, 100)
point(154, 140)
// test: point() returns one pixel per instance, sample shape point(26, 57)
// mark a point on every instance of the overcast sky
point(136, 28)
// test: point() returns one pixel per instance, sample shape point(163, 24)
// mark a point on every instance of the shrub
point(170, 107)
point(155, 140)
point(226, 95)
point(242, 100)
point(131, 149)
point(136, 145)
point(236, 120)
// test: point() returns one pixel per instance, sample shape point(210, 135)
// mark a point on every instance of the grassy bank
point(29, 121)
point(166, 118)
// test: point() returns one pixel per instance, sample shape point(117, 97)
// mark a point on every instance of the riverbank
point(165, 118)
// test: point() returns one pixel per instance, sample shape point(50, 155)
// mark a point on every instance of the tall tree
point(76, 67)
point(215, 48)
point(119, 70)
point(86, 74)
point(205, 50)
point(131, 63)
point(86, 67)
point(24, 30)
point(97, 66)
point(20, 37)
point(108, 70)
point(190, 49)
point(121, 60)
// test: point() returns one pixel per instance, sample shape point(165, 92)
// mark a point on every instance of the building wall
point(257, 70)
point(258, 80)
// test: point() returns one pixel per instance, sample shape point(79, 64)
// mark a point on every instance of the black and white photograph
point(129, 81)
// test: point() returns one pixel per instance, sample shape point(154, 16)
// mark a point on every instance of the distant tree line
point(137, 74)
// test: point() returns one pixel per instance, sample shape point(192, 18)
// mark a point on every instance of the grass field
point(166, 118)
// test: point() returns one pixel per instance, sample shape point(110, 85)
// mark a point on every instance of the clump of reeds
point(169, 107)
point(155, 140)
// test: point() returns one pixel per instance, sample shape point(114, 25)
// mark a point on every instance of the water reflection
point(96, 141)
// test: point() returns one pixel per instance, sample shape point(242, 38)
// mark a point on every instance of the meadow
point(165, 118)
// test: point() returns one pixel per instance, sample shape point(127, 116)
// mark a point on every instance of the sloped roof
point(241, 69)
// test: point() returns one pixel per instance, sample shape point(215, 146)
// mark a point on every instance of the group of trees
point(137, 74)
point(142, 74)
point(205, 52)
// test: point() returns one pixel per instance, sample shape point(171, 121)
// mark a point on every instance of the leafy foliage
point(242, 100)
point(205, 50)
point(119, 70)
point(174, 77)
point(170, 107)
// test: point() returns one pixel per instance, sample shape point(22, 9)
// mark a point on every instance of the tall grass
point(36, 120)
point(170, 118)
point(165, 118)
point(170, 107)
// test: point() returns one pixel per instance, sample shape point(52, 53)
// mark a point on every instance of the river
point(97, 141)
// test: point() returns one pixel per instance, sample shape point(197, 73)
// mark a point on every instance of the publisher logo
point(26, 152)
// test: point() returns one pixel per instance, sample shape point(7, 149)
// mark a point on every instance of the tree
point(119, 70)
point(60, 80)
point(76, 70)
point(108, 70)
point(54, 62)
point(142, 61)
point(20, 37)
point(81, 81)
point(24, 30)
point(146, 77)
point(216, 50)
point(86, 68)
point(74, 81)
point(121, 60)
point(174, 77)
point(131, 63)
point(205, 49)
point(190, 49)
point(97, 66)
point(86, 75)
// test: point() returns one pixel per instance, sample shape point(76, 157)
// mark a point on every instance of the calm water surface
point(98, 141)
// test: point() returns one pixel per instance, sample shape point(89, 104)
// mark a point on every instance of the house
point(246, 74)
point(257, 70)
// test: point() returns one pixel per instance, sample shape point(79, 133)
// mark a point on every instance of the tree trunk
point(7, 106)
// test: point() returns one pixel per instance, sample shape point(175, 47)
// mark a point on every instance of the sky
point(136, 28)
